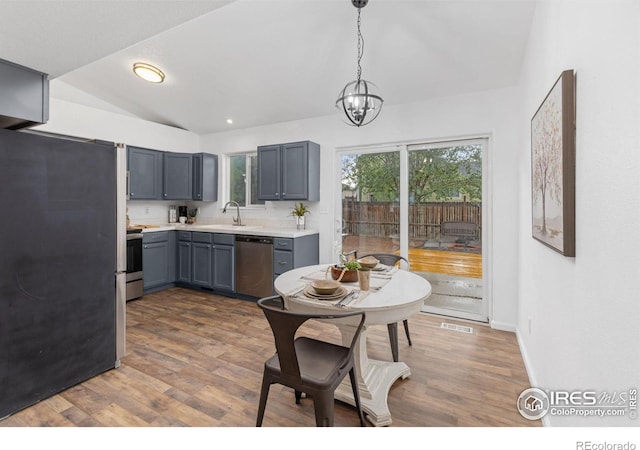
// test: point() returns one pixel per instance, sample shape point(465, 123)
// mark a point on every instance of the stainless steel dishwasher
point(254, 265)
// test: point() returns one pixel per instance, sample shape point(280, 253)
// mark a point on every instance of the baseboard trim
point(503, 326)
point(528, 366)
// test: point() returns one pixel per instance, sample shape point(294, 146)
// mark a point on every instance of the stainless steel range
point(134, 264)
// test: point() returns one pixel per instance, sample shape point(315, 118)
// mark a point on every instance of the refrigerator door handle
point(121, 202)
point(121, 255)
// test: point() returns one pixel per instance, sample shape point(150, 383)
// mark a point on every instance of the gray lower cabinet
point(183, 274)
point(206, 260)
point(224, 257)
point(201, 261)
point(293, 253)
point(145, 173)
point(158, 259)
point(289, 171)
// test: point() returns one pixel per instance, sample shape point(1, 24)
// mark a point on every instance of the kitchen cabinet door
point(289, 171)
point(155, 261)
point(158, 259)
point(184, 262)
point(205, 177)
point(269, 172)
point(178, 175)
point(145, 173)
point(201, 273)
point(223, 267)
point(295, 171)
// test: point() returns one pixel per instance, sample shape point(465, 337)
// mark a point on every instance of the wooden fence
point(383, 219)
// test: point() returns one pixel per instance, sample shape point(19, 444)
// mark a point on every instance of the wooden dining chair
point(390, 259)
point(305, 364)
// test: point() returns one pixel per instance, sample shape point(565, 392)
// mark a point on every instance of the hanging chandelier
point(359, 103)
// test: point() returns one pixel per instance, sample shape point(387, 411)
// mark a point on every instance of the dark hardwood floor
point(195, 359)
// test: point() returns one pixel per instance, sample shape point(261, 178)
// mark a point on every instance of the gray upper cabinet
point(178, 173)
point(289, 171)
point(145, 173)
point(25, 96)
point(269, 173)
point(205, 177)
point(159, 175)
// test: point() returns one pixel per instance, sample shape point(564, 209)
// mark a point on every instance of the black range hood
point(24, 96)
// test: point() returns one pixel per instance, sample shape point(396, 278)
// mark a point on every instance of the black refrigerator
point(62, 248)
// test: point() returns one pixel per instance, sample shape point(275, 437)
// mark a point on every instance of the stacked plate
point(311, 293)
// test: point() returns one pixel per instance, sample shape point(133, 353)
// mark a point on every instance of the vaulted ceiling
point(261, 61)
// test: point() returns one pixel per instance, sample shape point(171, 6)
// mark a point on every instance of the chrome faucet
point(236, 220)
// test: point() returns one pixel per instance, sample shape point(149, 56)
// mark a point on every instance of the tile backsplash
point(272, 214)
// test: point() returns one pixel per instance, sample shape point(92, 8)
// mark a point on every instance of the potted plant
point(192, 213)
point(299, 211)
point(346, 272)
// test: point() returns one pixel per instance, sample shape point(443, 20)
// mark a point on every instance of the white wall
point(585, 311)
point(82, 121)
point(492, 112)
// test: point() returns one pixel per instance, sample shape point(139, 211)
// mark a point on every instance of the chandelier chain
point(360, 47)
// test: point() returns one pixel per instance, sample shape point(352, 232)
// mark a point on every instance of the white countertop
point(253, 230)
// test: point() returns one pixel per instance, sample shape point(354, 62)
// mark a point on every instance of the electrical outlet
point(530, 324)
point(146, 210)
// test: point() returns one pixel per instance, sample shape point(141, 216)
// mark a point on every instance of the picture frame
point(553, 160)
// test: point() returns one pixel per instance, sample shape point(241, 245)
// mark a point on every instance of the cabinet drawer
point(184, 235)
point(283, 244)
point(157, 236)
point(224, 239)
point(282, 261)
point(202, 237)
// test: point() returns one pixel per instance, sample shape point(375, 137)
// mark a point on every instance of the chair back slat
point(284, 326)
point(388, 259)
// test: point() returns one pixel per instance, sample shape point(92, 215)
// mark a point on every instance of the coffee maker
point(182, 212)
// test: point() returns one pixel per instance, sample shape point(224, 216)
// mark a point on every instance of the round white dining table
point(394, 297)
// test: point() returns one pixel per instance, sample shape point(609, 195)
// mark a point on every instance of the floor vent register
point(459, 328)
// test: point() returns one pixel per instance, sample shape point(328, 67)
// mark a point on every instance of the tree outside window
point(243, 179)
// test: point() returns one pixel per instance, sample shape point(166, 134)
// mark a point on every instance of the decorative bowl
point(350, 276)
point(325, 287)
point(369, 262)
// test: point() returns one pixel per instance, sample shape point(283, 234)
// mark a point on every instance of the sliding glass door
point(370, 192)
point(423, 202)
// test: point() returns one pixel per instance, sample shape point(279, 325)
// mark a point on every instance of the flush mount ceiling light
point(359, 103)
point(148, 72)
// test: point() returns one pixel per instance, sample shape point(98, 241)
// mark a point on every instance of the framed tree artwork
point(553, 167)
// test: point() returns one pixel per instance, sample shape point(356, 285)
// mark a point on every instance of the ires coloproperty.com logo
point(534, 403)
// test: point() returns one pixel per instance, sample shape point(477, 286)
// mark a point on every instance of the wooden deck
point(446, 262)
point(449, 262)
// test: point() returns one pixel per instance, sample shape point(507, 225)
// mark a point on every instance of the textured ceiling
point(263, 61)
